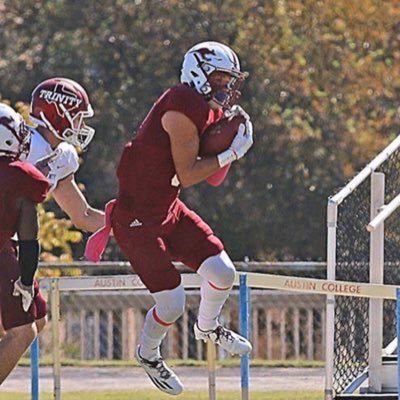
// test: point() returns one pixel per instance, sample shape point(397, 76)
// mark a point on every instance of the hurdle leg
point(55, 320)
point(211, 366)
point(35, 369)
point(244, 330)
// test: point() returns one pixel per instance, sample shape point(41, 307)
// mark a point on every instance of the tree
point(323, 94)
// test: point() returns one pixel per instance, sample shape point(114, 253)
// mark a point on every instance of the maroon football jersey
point(148, 185)
point(17, 179)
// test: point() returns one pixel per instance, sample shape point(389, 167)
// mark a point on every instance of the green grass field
point(156, 395)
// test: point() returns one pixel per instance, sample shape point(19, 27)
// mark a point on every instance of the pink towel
point(97, 242)
point(219, 176)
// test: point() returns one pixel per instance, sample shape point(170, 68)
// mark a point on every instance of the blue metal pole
point(35, 369)
point(398, 341)
point(244, 330)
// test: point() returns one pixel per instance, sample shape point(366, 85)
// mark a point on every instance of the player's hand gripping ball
point(219, 136)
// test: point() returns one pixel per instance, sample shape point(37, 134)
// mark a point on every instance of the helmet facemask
point(227, 95)
point(79, 134)
point(25, 140)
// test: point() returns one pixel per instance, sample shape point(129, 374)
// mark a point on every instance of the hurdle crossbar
point(321, 286)
point(254, 280)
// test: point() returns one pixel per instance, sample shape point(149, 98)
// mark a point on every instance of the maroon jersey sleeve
point(31, 183)
point(187, 101)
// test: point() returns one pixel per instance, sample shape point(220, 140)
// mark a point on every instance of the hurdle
point(245, 281)
point(54, 286)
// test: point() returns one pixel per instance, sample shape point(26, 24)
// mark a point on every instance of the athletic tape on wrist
point(226, 157)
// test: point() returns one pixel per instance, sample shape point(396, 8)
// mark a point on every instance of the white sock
point(152, 335)
point(211, 304)
point(218, 273)
point(170, 305)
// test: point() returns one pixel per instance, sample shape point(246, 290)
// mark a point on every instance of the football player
point(60, 107)
point(23, 308)
point(153, 226)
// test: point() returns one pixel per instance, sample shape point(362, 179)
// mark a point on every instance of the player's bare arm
point(72, 201)
point(185, 149)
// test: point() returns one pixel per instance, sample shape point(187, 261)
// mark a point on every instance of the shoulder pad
point(64, 164)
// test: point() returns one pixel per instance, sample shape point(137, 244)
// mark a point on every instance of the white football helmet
point(14, 134)
point(205, 58)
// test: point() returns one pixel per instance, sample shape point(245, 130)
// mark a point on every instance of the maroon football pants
point(183, 236)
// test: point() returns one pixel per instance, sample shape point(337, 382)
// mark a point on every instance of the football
point(219, 136)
